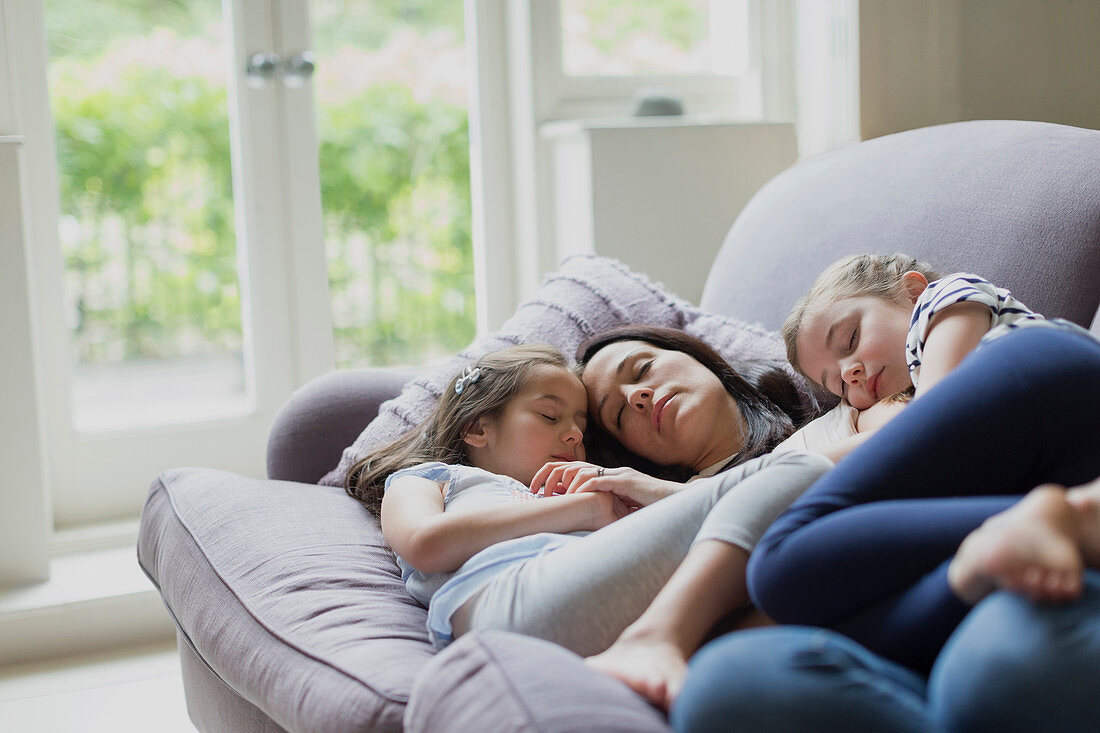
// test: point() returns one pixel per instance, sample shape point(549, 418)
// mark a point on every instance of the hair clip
point(469, 376)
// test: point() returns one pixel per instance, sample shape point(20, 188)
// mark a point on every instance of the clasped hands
point(633, 487)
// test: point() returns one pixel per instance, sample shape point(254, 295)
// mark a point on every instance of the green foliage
point(148, 230)
point(395, 185)
point(680, 22)
point(144, 169)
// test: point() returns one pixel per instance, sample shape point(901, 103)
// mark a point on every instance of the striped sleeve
point(959, 288)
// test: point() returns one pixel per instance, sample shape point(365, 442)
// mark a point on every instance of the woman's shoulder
point(836, 424)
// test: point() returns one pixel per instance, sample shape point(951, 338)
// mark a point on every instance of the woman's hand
point(634, 487)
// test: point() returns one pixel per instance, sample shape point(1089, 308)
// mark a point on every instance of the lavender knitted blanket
point(588, 295)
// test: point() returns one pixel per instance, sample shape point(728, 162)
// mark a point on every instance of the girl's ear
point(476, 434)
point(914, 283)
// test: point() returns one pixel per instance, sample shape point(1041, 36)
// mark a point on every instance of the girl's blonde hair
point(857, 275)
point(500, 376)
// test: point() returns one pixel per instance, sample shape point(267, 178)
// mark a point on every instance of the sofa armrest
point(324, 417)
point(496, 681)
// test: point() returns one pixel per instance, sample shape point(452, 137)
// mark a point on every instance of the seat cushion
point(290, 595)
point(587, 295)
point(486, 682)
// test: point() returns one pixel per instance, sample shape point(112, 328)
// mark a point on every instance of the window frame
point(561, 96)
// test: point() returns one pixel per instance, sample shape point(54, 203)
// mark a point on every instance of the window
point(597, 54)
point(147, 230)
point(656, 37)
point(391, 94)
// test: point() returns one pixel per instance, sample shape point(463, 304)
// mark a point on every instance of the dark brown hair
point(765, 393)
point(502, 375)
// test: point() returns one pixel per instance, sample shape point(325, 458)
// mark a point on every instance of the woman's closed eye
point(640, 371)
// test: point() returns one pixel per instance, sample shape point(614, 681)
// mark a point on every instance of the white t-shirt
point(835, 425)
point(469, 487)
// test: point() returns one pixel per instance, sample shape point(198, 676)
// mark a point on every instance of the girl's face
point(855, 348)
point(662, 405)
point(544, 422)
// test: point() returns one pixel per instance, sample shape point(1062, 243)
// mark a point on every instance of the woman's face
point(662, 405)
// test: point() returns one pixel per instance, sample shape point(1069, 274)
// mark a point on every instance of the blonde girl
point(985, 427)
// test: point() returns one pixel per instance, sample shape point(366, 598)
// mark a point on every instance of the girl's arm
point(952, 334)
point(433, 541)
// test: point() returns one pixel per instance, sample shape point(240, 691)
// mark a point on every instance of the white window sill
point(95, 600)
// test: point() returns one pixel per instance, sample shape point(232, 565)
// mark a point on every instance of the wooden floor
point(138, 690)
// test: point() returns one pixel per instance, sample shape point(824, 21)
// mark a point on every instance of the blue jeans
point(1010, 665)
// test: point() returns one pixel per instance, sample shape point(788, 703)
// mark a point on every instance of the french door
point(182, 288)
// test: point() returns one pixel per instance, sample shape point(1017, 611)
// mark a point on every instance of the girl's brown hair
point(857, 275)
point(501, 375)
point(765, 393)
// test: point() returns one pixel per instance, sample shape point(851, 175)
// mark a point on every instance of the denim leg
point(795, 679)
point(1014, 414)
point(1017, 665)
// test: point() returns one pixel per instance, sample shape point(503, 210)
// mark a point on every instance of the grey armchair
point(289, 610)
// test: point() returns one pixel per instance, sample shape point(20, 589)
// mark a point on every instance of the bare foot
point(1086, 500)
point(1031, 548)
point(652, 667)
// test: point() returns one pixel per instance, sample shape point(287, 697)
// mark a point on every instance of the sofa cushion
point(291, 595)
point(587, 295)
point(486, 682)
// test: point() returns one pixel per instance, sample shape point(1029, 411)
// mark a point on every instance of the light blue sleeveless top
point(469, 488)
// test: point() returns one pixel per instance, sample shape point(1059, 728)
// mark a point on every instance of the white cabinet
point(660, 193)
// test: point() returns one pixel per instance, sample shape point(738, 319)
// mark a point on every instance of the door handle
point(296, 70)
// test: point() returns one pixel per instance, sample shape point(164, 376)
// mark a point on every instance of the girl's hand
point(607, 508)
point(634, 487)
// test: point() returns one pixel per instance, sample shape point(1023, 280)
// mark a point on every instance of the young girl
point(874, 325)
point(846, 335)
point(895, 546)
point(482, 551)
point(1015, 416)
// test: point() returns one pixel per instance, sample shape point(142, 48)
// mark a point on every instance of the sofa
point(289, 609)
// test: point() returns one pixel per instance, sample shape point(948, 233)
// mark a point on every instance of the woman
point(672, 401)
point(796, 678)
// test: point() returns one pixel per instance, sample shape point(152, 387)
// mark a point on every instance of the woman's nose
point(640, 397)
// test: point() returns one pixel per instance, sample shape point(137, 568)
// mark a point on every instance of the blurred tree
point(146, 194)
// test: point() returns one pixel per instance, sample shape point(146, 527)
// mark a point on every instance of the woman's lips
point(658, 411)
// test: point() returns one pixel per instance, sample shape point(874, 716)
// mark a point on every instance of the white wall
point(660, 195)
point(927, 62)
